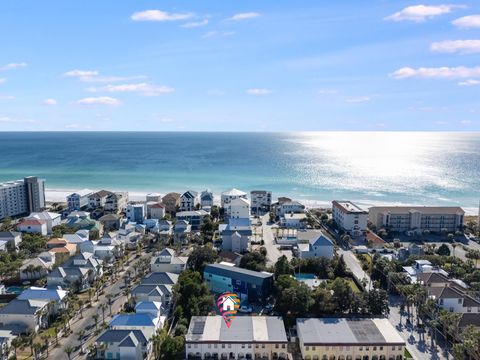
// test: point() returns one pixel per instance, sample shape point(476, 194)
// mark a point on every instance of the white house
point(349, 217)
point(116, 202)
point(12, 239)
point(293, 221)
point(155, 211)
point(166, 261)
point(453, 300)
point(239, 209)
point(318, 245)
point(33, 226)
point(261, 201)
point(290, 207)
point(36, 268)
point(51, 219)
point(144, 322)
point(153, 197)
point(153, 308)
point(227, 197)
point(98, 199)
point(136, 213)
point(78, 200)
point(123, 344)
point(24, 316)
point(189, 200)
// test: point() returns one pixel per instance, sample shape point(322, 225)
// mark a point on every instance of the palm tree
point(103, 307)
point(95, 318)
point(80, 304)
point(91, 292)
point(46, 341)
point(109, 299)
point(454, 245)
point(16, 343)
point(69, 350)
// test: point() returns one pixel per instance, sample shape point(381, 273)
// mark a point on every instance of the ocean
point(316, 167)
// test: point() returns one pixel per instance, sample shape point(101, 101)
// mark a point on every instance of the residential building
point(289, 207)
point(206, 199)
point(165, 230)
point(12, 239)
point(116, 202)
point(50, 218)
point(136, 213)
point(421, 266)
point(182, 232)
point(21, 197)
point(55, 296)
point(417, 218)
point(236, 234)
point(149, 307)
point(195, 218)
point(253, 337)
point(313, 244)
point(97, 199)
point(238, 209)
point(6, 338)
point(154, 197)
point(251, 286)
point(349, 339)
point(78, 200)
point(189, 201)
point(171, 202)
point(24, 316)
point(156, 287)
point(261, 201)
point(349, 217)
point(110, 222)
point(155, 210)
point(166, 261)
point(80, 220)
point(36, 268)
point(293, 221)
point(453, 299)
point(123, 344)
point(33, 226)
point(145, 322)
point(228, 196)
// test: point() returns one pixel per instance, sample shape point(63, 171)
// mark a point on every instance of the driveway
point(354, 265)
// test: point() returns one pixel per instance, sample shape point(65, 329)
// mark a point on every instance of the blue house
point(250, 286)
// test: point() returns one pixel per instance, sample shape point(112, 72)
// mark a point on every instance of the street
point(87, 323)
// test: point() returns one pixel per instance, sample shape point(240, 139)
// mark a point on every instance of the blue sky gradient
point(239, 65)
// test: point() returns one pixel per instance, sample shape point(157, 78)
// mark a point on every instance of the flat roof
point(261, 329)
point(422, 209)
point(342, 331)
point(348, 207)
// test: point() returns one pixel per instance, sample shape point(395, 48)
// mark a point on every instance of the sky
point(270, 65)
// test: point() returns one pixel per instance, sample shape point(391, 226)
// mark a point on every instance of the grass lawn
point(353, 285)
point(407, 354)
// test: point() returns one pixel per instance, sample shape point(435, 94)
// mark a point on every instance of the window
point(374, 348)
point(367, 348)
point(459, 301)
point(361, 348)
point(249, 346)
point(223, 346)
point(307, 348)
point(276, 346)
point(313, 348)
point(381, 347)
point(263, 346)
point(283, 346)
point(399, 348)
point(229, 346)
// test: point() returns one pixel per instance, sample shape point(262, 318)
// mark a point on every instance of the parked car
point(245, 309)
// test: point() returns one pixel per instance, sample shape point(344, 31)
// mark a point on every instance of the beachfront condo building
point(249, 337)
point(349, 217)
point(417, 218)
point(261, 201)
point(22, 197)
point(349, 339)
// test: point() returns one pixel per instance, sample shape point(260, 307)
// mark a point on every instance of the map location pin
point(228, 304)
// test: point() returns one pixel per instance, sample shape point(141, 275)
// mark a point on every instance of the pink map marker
point(228, 304)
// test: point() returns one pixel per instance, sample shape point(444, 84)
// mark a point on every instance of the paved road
point(419, 348)
point(87, 323)
point(354, 265)
point(273, 251)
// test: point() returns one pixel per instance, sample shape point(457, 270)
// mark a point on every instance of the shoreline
point(59, 195)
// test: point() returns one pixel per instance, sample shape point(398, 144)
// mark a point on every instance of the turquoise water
point(371, 168)
point(305, 276)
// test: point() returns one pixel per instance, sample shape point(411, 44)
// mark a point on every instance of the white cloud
point(2, 80)
point(7, 97)
point(141, 88)
point(257, 91)
point(467, 22)
point(212, 34)
point(13, 66)
point(358, 99)
point(469, 82)
point(196, 24)
point(93, 76)
point(420, 13)
point(456, 46)
point(244, 16)
point(466, 122)
point(50, 102)
point(7, 119)
point(158, 15)
point(72, 126)
point(101, 100)
point(437, 73)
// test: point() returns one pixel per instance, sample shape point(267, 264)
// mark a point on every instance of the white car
point(245, 309)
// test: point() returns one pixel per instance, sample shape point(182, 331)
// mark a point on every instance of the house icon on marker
point(228, 304)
